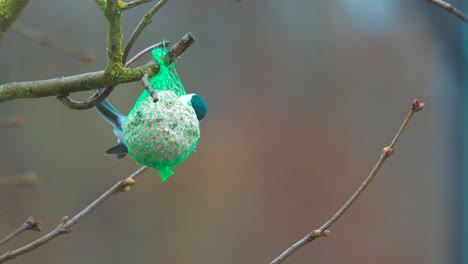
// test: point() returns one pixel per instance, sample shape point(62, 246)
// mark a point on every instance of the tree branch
point(114, 74)
point(174, 52)
point(65, 225)
point(149, 88)
point(114, 37)
point(147, 50)
point(29, 224)
point(450, 8)
point(93, 100)
point(145, 21)
point(96, 98)
point(416, 106)
point(179, 47)
point(64, 85)
point(9, 12)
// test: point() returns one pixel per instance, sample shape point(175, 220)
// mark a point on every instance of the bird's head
point(198, 104)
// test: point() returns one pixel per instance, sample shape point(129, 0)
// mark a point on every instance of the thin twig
point(29, 224)
point(11, 121)
point(450, 8)
point(179, 47)
point(28, 178)
point(134, 4)
point(145, 21)
point(149, 88)
point(96, 98)
point(44, 39)
point(145, 51)
point(65, 225)
point(416, 106)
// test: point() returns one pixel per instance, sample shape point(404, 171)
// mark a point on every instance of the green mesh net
point(167, 77)
point(164, 134)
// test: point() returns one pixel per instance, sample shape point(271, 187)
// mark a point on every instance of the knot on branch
point(127, 183)
point(319, 233)
point(33, 225)
point(65, 230)
point(388, 151)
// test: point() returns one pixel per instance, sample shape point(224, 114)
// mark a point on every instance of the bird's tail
point(116, 119)
point(109, 113)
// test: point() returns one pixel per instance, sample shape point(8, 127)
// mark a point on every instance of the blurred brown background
point(303, 95)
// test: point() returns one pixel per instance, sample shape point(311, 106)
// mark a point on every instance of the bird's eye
point(200, 107)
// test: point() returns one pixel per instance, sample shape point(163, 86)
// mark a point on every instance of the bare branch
point(28, 178)
point(93, 100)
point(64, 85)
point(145, 21)
point(145, 51)
point(96, 98)
point(114, 37)
point(9, 12)
point(149, 88)
point(450, 8)
point(29, 224)
point(44, 39)
point(114, 74)
point(179, 47)
point(416, 106)
point(65, 225)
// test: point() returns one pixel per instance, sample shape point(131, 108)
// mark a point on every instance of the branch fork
point(416, 106)
point(29, 224)
point(66, 223)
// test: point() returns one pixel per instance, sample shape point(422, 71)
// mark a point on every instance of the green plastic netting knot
point(167, 77)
